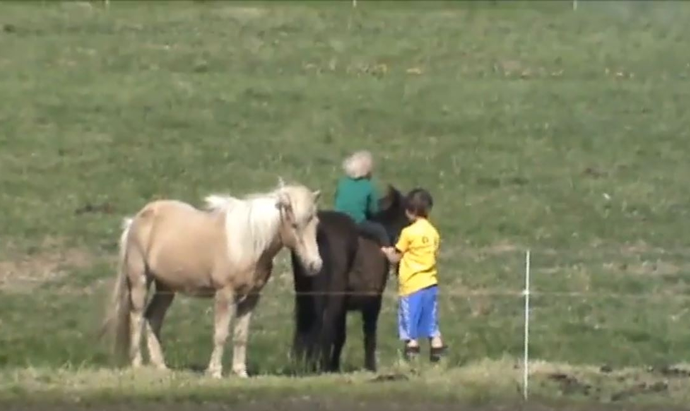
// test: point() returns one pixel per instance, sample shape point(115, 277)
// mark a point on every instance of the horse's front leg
point(224, 311)
point(335, 308)
point(240, 334)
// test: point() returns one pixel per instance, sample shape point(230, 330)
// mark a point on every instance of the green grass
point(532, 125)
point(478, 384)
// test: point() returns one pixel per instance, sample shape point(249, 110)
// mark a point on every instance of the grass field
point(532, 125)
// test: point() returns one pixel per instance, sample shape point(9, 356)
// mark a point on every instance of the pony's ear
point(386, 201)
point(284, 204)
point(393, 192)
point(283, 201)
point(281, 182)
point(317, 195)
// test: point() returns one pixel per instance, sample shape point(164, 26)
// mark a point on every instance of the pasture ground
point(532, 125)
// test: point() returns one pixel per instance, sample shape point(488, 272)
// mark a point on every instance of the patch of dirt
point(671, 371)
point(243, 13)
point(647, 268)
point(501, 248)
point(27, 271)
point(638, 389)
point(570, 385)
point(638, 247)
point(104, 208)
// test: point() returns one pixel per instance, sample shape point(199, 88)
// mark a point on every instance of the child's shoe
point(410, 353)
point(436, 353)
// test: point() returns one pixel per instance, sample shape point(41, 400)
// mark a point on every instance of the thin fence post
point(574, 4)
point(354, 3)
point(525, 365)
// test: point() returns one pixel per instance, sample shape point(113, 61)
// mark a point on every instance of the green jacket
point(357, 198)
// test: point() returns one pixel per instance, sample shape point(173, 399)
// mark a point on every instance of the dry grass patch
point(22, 271)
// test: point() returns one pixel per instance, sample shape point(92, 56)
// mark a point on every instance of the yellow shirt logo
point(419, 245)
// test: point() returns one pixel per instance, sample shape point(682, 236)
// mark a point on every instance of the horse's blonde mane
point(252, 222)
point(219, 202)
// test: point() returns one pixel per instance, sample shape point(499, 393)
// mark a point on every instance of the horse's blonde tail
point(117, 321)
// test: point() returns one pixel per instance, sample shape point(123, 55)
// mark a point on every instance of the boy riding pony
point(357, 197)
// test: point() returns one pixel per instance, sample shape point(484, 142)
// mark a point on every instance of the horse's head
point(392, 212)
point(297, 205)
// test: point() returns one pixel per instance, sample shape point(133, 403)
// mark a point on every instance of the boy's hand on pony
point(391, 253)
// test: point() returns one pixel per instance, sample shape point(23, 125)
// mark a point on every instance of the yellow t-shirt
point(418, 245)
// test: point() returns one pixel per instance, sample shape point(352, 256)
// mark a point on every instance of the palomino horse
point(353, 278)
point(225, 252)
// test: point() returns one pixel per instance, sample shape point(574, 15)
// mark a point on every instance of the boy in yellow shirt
point(416, 251)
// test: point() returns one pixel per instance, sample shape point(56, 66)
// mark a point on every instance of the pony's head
point(298, 207)
point(392, 212)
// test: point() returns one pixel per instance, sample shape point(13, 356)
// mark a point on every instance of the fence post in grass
point(354, 3)
point(525, 365)
point(574, 4)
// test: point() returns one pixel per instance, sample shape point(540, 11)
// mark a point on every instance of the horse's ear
point(283, 201)
point(386, 200)
point(317, 195)
point(284, 204)
point(281, 182)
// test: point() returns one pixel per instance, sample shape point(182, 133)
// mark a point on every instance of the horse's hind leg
point(224, 311)
point(240, 333)
point(370, 317)
point(139, 285)
point(155, 313)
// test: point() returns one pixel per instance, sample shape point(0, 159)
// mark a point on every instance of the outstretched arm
point(393, 255)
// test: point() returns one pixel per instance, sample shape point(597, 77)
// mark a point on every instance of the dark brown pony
point(353, 278)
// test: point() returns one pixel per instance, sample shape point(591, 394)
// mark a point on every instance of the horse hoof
point(215, 374)
point(241, 373)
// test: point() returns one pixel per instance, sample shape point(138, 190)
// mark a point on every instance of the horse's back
point(181, 244)
point(336, 221)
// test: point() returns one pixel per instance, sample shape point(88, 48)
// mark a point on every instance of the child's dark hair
point(419, 202)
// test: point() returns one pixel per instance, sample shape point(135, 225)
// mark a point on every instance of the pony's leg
point(335, 307)
point(155, 313)
point(224, 311)
point(340, 335)
point(240, 334)
point(139, 285)
point(370, 317)
point(298, 336)
point(309, 319)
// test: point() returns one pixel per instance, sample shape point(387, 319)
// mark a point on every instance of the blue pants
point(417, 314)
